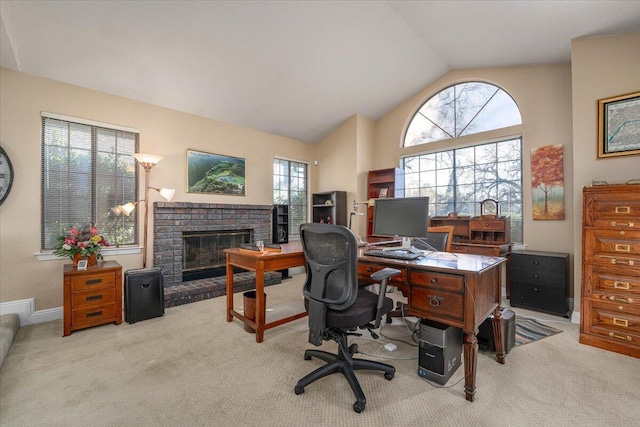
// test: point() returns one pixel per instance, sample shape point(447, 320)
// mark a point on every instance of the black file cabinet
point(539, 281)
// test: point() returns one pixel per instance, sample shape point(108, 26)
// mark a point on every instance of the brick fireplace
point(173, 220)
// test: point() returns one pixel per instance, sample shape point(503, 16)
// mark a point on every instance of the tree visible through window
point(457, 180)
point(290, 188)
point(462, 109)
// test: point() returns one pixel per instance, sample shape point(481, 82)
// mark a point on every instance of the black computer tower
point(440, 351)
point(143, 294)
point(508, 325)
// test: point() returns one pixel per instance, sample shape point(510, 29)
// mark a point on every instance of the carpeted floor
point(192, 368)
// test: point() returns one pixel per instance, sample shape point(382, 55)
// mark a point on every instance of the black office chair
point(337, 306)
point(438, 238)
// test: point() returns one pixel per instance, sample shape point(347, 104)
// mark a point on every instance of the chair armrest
point(383, 277)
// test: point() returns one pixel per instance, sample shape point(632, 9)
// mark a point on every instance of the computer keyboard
point(393, 254)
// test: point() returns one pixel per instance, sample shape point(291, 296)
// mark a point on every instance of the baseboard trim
point(575, 317)
point(25, 309)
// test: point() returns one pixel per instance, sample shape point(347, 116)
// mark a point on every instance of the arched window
point(462, 109)
point(459, 178)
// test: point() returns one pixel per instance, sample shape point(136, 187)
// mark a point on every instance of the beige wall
point(602, 67)
point(165, 132)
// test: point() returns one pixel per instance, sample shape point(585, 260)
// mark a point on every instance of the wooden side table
point(92, 296)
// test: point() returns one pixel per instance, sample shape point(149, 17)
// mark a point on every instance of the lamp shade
point(167, 193)
point(127, 208)
point(151, 159)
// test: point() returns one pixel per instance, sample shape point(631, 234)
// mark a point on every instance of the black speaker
point(440, 351)
point(143, 294)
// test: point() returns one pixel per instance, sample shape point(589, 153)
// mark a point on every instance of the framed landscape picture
point(215, 174)
point(619, 126)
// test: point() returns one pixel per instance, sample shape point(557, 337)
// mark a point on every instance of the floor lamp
point(147, 161)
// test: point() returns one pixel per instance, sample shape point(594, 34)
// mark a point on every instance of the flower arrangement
point(84, 241)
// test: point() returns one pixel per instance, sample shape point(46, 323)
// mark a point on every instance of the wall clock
point(6, 175)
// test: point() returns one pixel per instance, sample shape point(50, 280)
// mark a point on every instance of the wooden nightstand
point(92, 296)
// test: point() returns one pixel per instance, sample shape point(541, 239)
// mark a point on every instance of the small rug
point(529, 330)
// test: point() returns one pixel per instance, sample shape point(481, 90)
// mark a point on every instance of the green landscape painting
point(215, 174)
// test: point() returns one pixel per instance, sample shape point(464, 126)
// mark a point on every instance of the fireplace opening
point(202, 252)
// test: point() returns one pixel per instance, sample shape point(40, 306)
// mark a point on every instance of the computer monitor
point(402, 217)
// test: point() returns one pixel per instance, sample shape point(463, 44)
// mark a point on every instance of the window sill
point(128, 250)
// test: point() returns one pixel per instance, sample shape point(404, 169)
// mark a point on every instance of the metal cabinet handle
point(93, 281)
point(434, 300)
point(621, 224)
point(94, 314)
point(615, 261)
point(620, 299)
point(626, 338)
point(94, 297)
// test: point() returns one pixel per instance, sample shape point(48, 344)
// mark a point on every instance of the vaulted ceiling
point(291, 68)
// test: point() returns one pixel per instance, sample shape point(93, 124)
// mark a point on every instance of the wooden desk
point(289, 256)
point(461, 290)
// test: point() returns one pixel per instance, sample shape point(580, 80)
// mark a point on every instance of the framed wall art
point(384, 191)
point(215, 174)
point(619, 126)
point(547, 182)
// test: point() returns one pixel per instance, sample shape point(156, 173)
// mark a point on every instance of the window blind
point(86, 170)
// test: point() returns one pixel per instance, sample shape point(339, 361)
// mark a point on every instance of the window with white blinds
point(87, 169)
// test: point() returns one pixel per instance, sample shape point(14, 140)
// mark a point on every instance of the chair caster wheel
point(307, 357)
point(359, 407)
point(389, 376)
point(299, 390)
point(389, 319)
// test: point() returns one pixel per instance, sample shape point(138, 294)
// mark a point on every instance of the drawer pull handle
point(434, 281)
point(623, 209)
point(621, 322)
point(622, 248)
point(535, 276)
point(536, 262)
point(612, 335)
point(434, 300)
point(369, 269)
point(94, 297)
point(629, 300)
point(621, 224)
point(615, 261)
point(94, 313)
point(93, 281)
point(621, 285)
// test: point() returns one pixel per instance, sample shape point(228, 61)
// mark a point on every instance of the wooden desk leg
point(260, 302)
point(229, 290)
point(470, 364)
point(496, 324)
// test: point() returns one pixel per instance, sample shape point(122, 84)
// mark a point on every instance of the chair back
point(331, 256)
point(440, 237)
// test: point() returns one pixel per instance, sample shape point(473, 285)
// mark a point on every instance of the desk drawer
point(447, 282)
point(366, 269)
point(89, 282)
point(436, 304)
point(93, 298)
point(486, 225)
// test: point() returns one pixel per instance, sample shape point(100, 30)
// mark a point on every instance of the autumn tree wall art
point(547, 182)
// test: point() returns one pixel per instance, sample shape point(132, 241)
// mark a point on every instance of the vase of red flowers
point(81, 243)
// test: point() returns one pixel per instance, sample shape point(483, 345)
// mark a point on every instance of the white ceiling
point(295, 69)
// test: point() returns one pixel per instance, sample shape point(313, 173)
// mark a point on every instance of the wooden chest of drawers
point(610, 313)
point(92, 296)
